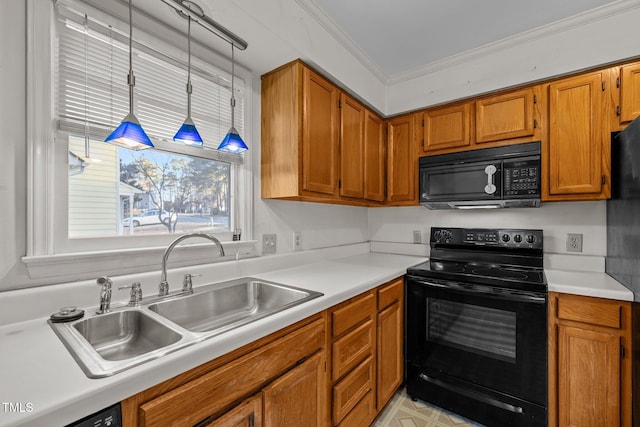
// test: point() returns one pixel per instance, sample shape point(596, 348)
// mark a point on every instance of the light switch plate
point(417, 236)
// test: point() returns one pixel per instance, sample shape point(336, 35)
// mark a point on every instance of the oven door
point(488, 344)
point(481, 181)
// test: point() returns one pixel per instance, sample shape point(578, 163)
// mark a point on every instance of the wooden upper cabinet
point(402, 175)
point(446, 128)
point(629, 87)
point(319, 134)
point(300, 132)
point(352, 115)
point(374, 157)
point(576, 157)
point(506, 116)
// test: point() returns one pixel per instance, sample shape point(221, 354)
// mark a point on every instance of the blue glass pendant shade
point(188, 134)
point(232, 143)
point(130, 135)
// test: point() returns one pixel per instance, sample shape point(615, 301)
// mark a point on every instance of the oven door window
point(485, 331)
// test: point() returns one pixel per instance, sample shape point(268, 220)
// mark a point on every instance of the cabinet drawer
point(348, 316)
point(351, 349)
point(348, 392)
point(390, 294)
point(362, 414)
point(212, 392)
point(590, 310)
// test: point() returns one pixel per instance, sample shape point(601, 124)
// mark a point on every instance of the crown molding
point(326, 22)
point(567, 24)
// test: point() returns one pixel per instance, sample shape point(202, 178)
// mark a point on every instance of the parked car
point(145, 218)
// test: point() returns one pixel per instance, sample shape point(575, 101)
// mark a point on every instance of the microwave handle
point(490, 188)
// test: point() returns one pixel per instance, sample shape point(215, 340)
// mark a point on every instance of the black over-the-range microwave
point(500, 177)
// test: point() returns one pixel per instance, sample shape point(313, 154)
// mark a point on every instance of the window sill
point(87, 265)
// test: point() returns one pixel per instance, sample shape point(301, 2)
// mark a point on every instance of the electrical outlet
point(297, 240)
point(417, 236)
point(269, 244)
point(574, 242)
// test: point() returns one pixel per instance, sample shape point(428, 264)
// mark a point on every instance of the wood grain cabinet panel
point(297, 397)
point(402, 162)
point(351, 348)
point(589, 384)
point(590, 356)
point(352, 116)
point(320, 134)
point(577, 153)
point(447, 127)
point(246, 414)
point(350, 390)
point(629, 107)
point(390, 330)
point(362, 414)
point(349, 314)
point(374, 157)
point(506, 116)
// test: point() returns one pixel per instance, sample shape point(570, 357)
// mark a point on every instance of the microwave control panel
point(522, 178)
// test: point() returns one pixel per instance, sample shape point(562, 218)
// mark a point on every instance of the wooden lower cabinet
point(336, 368)
point(390, 339)
point(589, 362)
point(297, 397)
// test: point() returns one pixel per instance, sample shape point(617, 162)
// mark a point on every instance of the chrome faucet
point(164, 285)
point(105, 294)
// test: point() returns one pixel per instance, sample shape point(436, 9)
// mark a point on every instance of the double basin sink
point(105, 344)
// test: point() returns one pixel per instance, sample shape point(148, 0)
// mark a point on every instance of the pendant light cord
point(233, 95)
point(131, 80)
point(189, 88)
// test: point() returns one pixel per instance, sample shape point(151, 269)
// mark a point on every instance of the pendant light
point(188, 134)
point(232, 142)
point(129, 133)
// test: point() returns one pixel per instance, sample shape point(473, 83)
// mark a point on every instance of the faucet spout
point(164, 284)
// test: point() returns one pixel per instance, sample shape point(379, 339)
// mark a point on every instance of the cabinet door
point(506, 116)
point(401, 161)
point(629, 92)
point(320, 134)
point(448, 127)
point(390, 363)
point(297, 397)
point(578, 143)
point(374, 172)
point(352, 115)
point(589, 378)
point(246, 414)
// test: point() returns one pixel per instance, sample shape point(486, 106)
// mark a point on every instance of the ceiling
point(400, 36)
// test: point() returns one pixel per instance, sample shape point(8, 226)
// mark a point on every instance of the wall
point(556, 219)
point(606, 35)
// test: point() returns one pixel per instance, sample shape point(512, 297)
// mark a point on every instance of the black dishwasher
point(108, 417)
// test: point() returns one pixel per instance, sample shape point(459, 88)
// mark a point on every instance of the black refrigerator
point(623, 232)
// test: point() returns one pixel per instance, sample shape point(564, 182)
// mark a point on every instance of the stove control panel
point(506, 238)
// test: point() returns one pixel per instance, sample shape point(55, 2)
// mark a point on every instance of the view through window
point(123, 192)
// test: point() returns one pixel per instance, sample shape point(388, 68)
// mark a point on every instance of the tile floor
point(403, 412)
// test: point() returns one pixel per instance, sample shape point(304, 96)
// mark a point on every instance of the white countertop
point(587, 283)
point(40, 375)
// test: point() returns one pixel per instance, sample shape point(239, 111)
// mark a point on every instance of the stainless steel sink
point(105, 344)
point(125, 334)
point(233, 304)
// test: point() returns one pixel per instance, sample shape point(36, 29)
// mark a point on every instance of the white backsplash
point(396, 224)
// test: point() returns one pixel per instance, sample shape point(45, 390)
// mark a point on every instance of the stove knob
point(506, 238)
point(517, 238)
point(531, 238)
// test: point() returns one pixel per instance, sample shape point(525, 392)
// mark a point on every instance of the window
point(87, 195)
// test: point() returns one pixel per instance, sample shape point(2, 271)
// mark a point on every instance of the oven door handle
point(473, 395)
point(520, 296)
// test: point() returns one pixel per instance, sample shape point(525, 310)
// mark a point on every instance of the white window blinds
point(92, 93)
